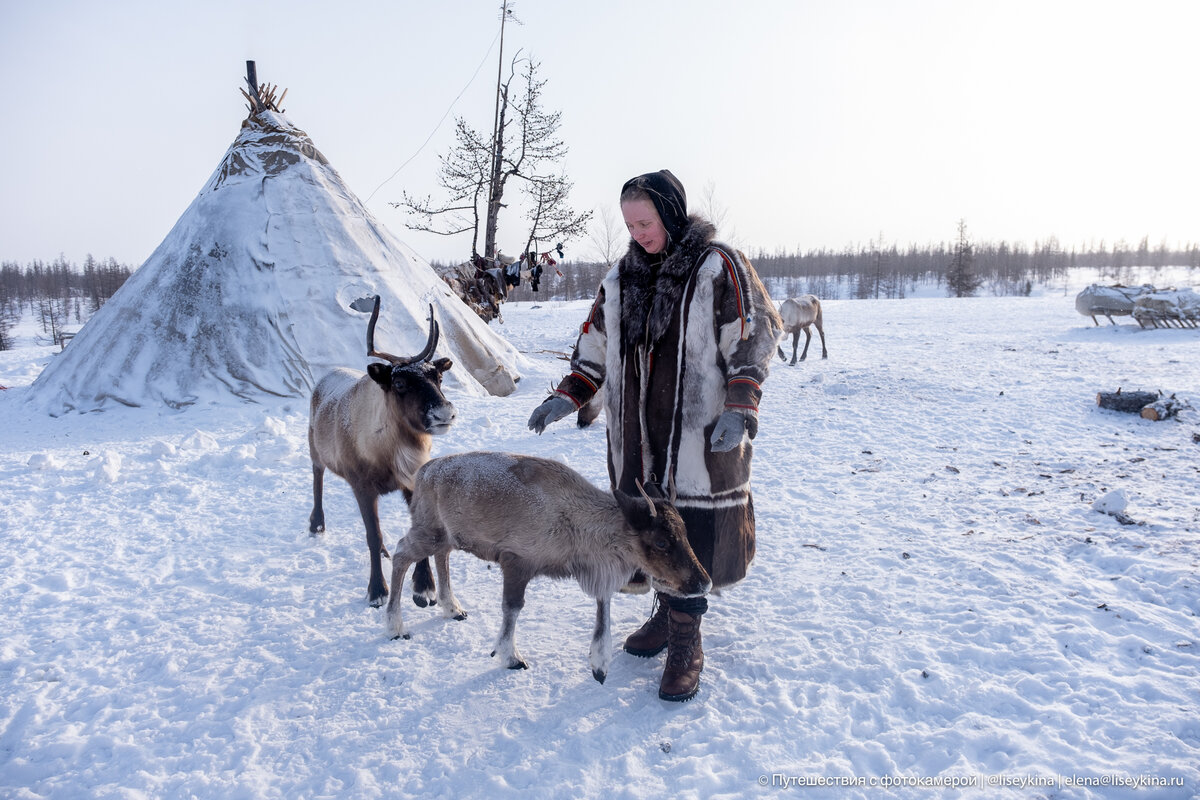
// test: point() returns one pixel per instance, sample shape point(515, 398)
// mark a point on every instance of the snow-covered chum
point(553, 522)
point(375, 431)
point(799, 313)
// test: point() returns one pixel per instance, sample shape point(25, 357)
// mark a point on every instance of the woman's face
point(641, 218)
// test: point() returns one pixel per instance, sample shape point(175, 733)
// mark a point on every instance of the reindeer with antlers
point(375, 431)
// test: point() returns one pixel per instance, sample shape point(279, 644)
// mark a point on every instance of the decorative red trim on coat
point(570, 397)
point(590, 383)
point(750, 402)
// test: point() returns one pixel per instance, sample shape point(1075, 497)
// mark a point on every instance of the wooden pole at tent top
point(252, 82)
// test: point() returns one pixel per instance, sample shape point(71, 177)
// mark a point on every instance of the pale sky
point(809, 124)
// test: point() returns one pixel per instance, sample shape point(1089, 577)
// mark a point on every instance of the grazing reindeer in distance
point(798, 314)
point(552, 521)
point(375, 431)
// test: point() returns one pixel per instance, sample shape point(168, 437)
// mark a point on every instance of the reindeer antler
point(400, 361)
point(649, 502)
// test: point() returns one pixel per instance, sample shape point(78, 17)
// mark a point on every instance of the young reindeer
point(798, 314)
point(535, 516)
point(375, 431)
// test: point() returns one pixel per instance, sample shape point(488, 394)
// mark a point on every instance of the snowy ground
point(934, 597)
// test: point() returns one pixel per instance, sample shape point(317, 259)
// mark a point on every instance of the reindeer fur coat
point(673, 342)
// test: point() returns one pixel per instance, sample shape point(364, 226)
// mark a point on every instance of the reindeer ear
point(380, 373)
point(636, 510)
point(443, 364)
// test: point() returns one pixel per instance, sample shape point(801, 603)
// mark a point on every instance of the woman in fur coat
point(678, 339)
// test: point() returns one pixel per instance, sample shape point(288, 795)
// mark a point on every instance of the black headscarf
point(669, 198)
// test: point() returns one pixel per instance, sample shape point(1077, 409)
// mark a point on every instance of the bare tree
point(464, 177)
point(52, 316)
point(608, 237)
point(10, 303)
point(550, 216)
point(524, 147)
point(716, 212)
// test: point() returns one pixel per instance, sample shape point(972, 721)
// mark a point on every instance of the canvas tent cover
point(249, 294)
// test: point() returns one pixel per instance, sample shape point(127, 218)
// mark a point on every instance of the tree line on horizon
point(886, 271)
point(58, 293)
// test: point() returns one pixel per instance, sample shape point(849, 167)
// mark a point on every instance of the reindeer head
point(664, 551)
point(414, 382)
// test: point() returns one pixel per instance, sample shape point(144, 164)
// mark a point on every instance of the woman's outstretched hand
point(553, 409)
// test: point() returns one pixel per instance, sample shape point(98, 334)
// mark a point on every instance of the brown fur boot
point(685, 658)
point(651, 638)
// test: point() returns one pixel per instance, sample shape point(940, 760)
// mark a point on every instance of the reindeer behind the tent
point(798, 314)
point(375, 431)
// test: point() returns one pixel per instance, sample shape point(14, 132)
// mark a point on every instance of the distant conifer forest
point(61, 295)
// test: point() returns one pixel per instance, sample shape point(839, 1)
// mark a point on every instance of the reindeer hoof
point(516, 663)
point(599, 676)
point(422, 601)
point(460, 616)
point(402, 636)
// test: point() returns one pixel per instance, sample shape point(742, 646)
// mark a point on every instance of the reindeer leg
point(450, 606)
point(516, 578)
point(392, 617)
point(601, 653)
point(795, 344)
point(368, 506)
point(824, 352)
point(807, 340)
point(424, 591)
point(316, 520)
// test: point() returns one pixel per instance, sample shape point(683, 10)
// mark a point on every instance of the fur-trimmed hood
point(652, 286)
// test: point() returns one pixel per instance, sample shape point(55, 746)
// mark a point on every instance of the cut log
point(1164, 408)
point(1129, 402)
